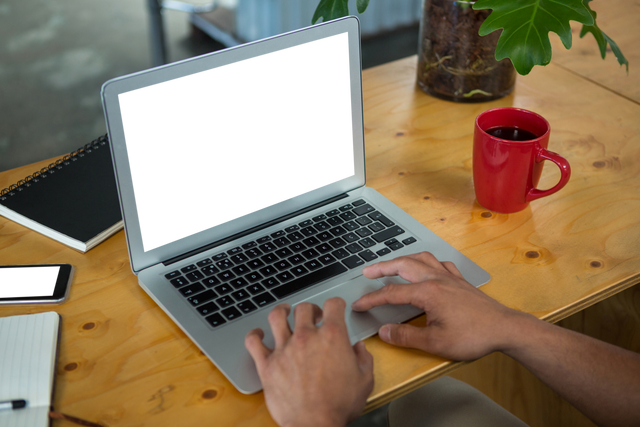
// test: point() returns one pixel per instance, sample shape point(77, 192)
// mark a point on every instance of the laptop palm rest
point(362, 325)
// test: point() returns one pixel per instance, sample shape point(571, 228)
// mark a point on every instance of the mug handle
point(565, 174)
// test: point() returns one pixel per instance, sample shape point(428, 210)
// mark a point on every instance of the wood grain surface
point(122, 362)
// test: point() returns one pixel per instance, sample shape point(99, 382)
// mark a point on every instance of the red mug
point(509, 148)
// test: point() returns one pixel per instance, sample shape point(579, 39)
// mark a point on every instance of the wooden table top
point(122, 361)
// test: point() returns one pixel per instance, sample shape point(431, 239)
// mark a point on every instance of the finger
point(451, 268)
point(258, 351)
point(404, 335)
point(414, 268)
point(397, 294)
point(305, 315)
point(333, 310)
point(365, 359)
point(279, 324)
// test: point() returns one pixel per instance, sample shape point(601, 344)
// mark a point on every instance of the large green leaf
point(332, 9)
point(602, 39)
point(525, 28)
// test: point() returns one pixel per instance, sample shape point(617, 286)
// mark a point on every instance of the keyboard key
point(255, 289)
point(319, 218)
point(364, 209)
point(285, 276)
point(324, 248)
point(249, 245)
point(172, 275)
point(231, 313)
point(282, 241)
point(238, 283)
point(306, 223)
point(387, 234)
point(322, 226)
point(309, 280)
point(354, 248)
point(269, 258)
point(194, 276)
point(295, 236)
point(313, 264)
point(296, 259)
point(225, 301)
point(367, 242)
point(383, 251)
point(263, 239)
point(364, 232)
point(311, 241)
point(409, 240)
point(364, 221)
point(324, 236)
point(239, 258)
point(299, 270)
point(333, 213)
point(340, 253)
point(377, 216)
point(351, 237)
point(396, 246)
point(353, 261)
point(253, 252)
point(223, 289)
point(358, 202)
point(282, 265)
point(189, 268)
point(226, 275)
point(255, 264)
point(208, 308)
point(335, 221)
point(253, 277)
point(277, 234)
point(193, 289)
point(367, 255)
point(219, 257)
point(270, 282)
point(247, 307)
point(215, 320)
point(240, 295)
point(202, 297)
point(263, 299)
point(234, 251)
point(351, 226)
point(338, 231)
point(308, 231)
point(209, 270)
point(268, 271)
point(204, 262)
point(326, 259)
point(337, 243)
point(241, 269)
point(210, 281)
point(268, 247)
point(297, 247)
point(292, 228)
point(179, 281)
point(346, 208)
point(376, 226)
point(224, 264)
point(284, 252)
point(310, 253)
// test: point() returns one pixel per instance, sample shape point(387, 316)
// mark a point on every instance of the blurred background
point(56, 54)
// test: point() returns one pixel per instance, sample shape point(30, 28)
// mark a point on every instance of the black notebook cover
point(76, 196)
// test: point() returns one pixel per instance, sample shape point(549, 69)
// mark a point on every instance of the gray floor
point(55, 55)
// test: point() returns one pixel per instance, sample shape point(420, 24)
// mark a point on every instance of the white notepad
point(28, 346)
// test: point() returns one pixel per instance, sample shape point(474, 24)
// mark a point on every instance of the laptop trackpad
point(362, 325)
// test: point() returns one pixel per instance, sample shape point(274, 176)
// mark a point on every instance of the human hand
point(313, 376)
point(463, 323)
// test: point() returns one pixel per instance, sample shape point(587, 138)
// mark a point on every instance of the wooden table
point(123, 362)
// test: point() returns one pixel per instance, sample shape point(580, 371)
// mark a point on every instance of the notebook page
point(27, 365)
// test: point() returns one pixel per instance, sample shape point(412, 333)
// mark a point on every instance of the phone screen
point(32, 283)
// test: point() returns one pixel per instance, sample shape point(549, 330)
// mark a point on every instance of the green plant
point(525, 26)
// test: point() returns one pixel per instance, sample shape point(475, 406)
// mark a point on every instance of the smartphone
point(35, 284)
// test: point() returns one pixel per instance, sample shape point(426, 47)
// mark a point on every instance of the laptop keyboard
point(259, 273)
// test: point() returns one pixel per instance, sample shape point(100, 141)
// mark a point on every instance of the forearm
point(599, 379)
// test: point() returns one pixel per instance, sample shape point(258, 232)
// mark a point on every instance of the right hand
point(462, 322)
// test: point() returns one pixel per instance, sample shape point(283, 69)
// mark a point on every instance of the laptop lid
point(212, 146)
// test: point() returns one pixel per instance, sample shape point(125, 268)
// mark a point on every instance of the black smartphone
point(35, 284)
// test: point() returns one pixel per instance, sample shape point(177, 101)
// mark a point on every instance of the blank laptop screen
point(220, 144)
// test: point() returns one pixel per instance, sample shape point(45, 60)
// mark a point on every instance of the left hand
point(313, 376)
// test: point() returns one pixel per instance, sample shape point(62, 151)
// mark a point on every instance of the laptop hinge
point(253, 230)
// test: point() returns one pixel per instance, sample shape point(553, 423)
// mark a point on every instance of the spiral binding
point(29, 180)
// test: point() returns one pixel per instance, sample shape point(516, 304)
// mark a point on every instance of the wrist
point(523, 334)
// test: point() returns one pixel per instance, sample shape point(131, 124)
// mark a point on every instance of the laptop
point(241, 177)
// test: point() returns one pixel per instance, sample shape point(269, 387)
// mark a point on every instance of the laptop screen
point(217, 145)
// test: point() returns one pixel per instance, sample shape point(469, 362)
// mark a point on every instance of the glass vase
point(455, 63)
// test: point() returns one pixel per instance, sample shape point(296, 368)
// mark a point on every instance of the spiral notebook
point(28, 348)
point(74, 200)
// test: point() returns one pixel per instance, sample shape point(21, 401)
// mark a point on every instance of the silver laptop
point(241, 177)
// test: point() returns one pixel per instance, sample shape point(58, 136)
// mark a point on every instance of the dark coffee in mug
point(511, 133)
